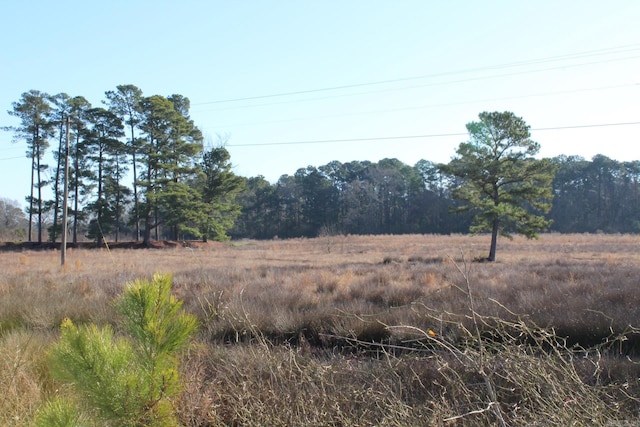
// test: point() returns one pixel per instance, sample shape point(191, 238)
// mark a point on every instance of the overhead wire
point(400, 137)
point(13, 158)
point(573, 56)
point(433, 84)
point(424, 136)
point(588, 126)
point(578, 55)
point(421, 107)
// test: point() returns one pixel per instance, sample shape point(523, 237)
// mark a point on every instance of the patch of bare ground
point(361, 330)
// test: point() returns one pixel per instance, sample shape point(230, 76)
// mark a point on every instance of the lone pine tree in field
point(501, 182)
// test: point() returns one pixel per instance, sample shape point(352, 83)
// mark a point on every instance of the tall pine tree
point(36, 127)
point(500, 180)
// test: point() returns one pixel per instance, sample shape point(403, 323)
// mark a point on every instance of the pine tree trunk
point(33, 171)
point(136, 208)
point(76, 191)
point(39, 183)
point(494, 240)
point(56, 190)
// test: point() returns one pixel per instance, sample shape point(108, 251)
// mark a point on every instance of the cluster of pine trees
point(389, 196)
point(179, 189)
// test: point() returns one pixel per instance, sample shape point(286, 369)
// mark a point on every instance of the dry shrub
point(261, 385)
point(519, 375)
point(524, 375)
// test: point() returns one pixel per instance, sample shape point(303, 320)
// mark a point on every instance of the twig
point(477, 411)
point(480, 366)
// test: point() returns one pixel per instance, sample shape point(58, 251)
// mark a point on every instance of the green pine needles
point(125, 380)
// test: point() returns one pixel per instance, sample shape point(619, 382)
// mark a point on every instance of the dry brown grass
point(23, 375)
point(299, 332)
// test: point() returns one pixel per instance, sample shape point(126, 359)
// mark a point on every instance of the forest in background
point(183, 190)
point(390, 197)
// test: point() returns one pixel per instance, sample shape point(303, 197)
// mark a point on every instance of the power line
point(322, 141)
point(421, 107)
point(577, 55)
point(398, 137)
point(16, 147)
point(588, 126)
point(425, 136)
point(268, 104)
point(13, 158)
point(432, 84)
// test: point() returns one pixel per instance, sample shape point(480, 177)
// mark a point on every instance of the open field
point(359, 330)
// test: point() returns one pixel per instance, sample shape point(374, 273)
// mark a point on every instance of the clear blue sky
point(345, 72)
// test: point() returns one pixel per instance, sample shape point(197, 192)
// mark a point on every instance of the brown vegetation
point(359, 330)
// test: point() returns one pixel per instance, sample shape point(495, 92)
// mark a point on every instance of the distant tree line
point(138, 168)
point(358, 197)
point(597, 195)
point(390, 197)
point(179, 189)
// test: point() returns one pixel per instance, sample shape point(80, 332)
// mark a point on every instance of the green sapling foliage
point(59, 413)
point(128, 380)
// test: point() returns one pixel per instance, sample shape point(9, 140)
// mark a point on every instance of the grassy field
point(358, 330)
